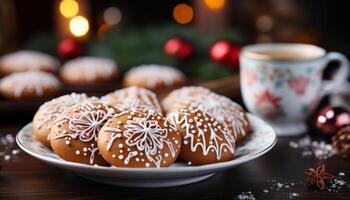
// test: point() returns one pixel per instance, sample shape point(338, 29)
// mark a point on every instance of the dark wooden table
point(24, 177)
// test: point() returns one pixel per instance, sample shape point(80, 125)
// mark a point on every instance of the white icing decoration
point(213, 144)
point(35, 81)
point(130, 155)
point(90, 67)
point(153, 74)
point(28, 61)
point(132, 97)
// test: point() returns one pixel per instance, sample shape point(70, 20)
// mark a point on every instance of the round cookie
point(49, 112)
point(29, 85)
point(132, 97)
point(21, 61)
point(154, 77)
point(139, 138)
point(204, 139)
point(89, 70)
point(177, 98)
point(73, 136)
point(231, 115)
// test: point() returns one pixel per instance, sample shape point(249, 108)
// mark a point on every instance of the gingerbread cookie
point(49, 112)
point(29, 85)
point(139, 138)
point(177, 98)
point(132, 97)
point(89, 70)
point(73, 136)
point(154, 77)
point(204, 139)
point(231, 115)
point(21, 61)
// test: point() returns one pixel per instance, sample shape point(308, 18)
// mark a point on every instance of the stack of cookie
point(127, 128)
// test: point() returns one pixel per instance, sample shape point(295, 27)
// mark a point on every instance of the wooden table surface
point(24, 177)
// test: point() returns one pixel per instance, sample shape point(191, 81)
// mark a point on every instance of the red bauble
point(225, 52)
point(233, 59)
point(178, 47)
point(220, 51)
point(69, 48)
point(330, 119)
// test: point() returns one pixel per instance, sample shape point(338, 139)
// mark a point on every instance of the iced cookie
point(132, 97)
point(139, 138)
point(204, 139)
point(231, 115)
point(177, 98)
point(89, 70)
point(21, 61)
point(73, 136)
point(29, 85)
point(49, 112)
point(154, 77)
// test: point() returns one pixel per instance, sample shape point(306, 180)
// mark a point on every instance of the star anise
point(318, 177)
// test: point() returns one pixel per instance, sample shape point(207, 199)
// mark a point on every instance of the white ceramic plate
point(260, 141)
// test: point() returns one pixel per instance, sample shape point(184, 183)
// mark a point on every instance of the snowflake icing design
point(86, 125)
point(147, 136)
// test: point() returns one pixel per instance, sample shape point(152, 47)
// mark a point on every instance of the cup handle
point(335, 86)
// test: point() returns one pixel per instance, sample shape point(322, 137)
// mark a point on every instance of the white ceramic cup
point(282, 82)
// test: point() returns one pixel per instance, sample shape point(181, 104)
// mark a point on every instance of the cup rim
point(252, 51)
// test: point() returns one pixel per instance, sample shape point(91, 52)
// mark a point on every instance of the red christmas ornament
point(69, 48)
point(233, 59)
point(331, 119)
point(178, 47)
point(225, 52)
point(220, 51)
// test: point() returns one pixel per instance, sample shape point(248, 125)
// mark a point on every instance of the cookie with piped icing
point(132, 97)
point(49, 112)
point(29, 85)
point(180, 97)
point(204, 139)
point(89, 70)
point(25, 60)
point(139, 138)
point(73, 136)
point(230, 114)
point(154, 77)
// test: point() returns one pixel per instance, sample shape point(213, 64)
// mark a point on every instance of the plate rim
point(111, 169)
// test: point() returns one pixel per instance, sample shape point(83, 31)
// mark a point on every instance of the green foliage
point(130, 47)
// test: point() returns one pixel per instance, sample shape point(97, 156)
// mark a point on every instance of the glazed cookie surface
point(204, 139)
point(49, 112)
point(139, 138)
point(21, 61)
point(29, 85)
point(154, 77)
point(73, 136)
point(177, 98)
point(89, 70)
point(132, 97)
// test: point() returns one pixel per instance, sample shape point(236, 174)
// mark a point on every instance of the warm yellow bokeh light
point(69, 8)
point(183, 13)
point(215, 4)
point(79, 26)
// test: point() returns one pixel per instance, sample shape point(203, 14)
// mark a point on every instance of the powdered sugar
point(319, 149)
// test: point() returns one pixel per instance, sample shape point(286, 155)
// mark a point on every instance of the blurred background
point(136, 32)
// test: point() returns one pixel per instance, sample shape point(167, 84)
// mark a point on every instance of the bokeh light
point(215, 4)
point(112, 16)
point(69, 8)
point(183, 13)
point(79, 26)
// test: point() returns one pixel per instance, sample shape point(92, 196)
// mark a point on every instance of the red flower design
point(268, 104)
point(299, 85)
point(250, 76)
